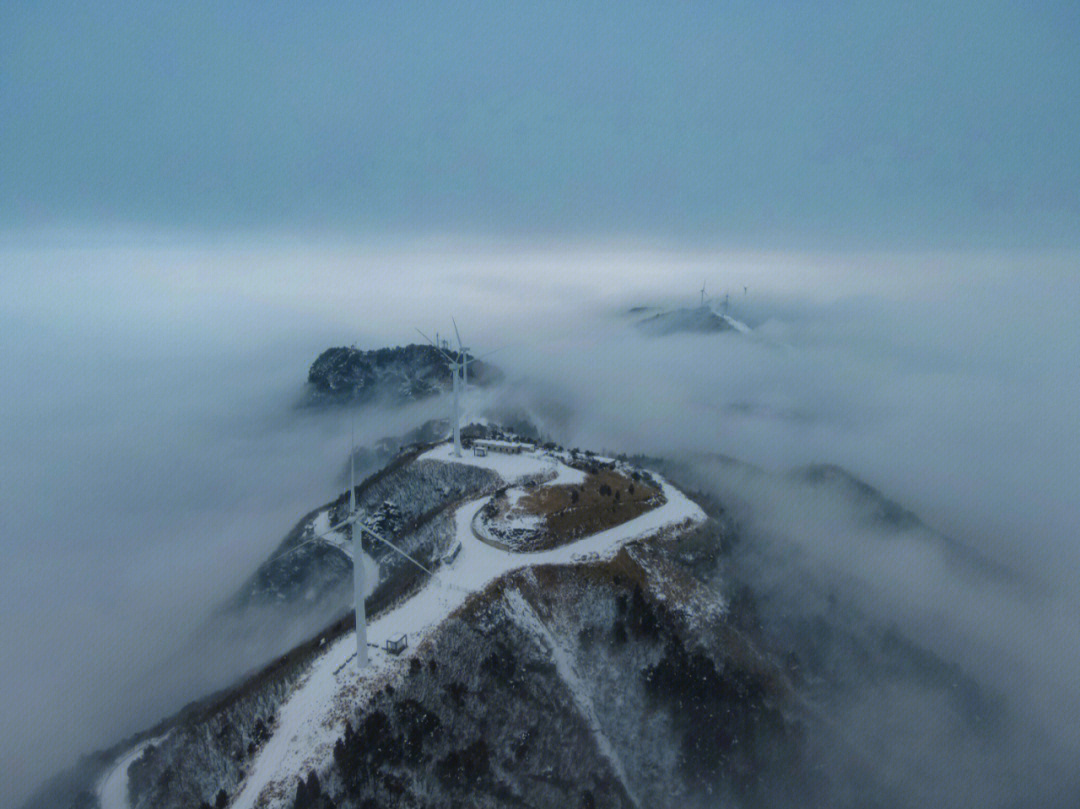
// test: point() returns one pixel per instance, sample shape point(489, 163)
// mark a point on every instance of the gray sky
point(793, 124)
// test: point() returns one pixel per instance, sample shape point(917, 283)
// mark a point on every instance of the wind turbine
point(459, 365)
point(463, 364)
point(357, 527)
point(464, 352)
point(455, 372)
point(463, 356)
point(703, 293)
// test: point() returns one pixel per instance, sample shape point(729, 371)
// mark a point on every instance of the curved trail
point(313, 716)
point(112, 789)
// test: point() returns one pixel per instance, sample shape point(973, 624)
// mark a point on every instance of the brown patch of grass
point(606, 499)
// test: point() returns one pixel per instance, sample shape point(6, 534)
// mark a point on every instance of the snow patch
point(738, 325)
point(511, 468)
point(320, 527)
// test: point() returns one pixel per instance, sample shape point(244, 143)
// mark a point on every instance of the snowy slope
point(738, 325)
point(313, 716)
point(527, 617)
point(112, 790)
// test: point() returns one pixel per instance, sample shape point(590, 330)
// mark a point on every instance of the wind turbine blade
point(489, 353)
point(457, 334)
point(352, 463)
point(293, 549)
point(309, 540)
point(447, 356)
point(394, 547)
point(333, 528)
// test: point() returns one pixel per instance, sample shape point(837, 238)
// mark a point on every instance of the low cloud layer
point(153, 454)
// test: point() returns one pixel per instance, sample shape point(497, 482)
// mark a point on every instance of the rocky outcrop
point(392, 375)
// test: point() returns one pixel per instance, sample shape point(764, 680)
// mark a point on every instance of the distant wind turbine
point(463, 354)
point(459, 369)
point(456, 365)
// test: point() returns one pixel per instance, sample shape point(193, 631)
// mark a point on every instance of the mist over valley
point(178, 457)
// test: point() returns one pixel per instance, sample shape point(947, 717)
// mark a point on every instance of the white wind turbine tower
point(463, 356)
point(459, 369)
point(359, 577)
point(463, 353)
point(357, 527)
point(456, 367)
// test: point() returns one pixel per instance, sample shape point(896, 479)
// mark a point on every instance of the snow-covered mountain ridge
point(627, 668)
point(303, 715)
point(702, 319)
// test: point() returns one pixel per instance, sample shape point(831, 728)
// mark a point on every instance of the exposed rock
point(394, 375)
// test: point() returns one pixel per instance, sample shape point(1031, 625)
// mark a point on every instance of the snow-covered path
point(112, 789)
point(314, 716)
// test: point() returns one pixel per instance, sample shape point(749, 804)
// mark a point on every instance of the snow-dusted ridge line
point(738, 325)
point(313, 717)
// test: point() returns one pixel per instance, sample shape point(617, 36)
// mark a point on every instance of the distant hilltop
point(695, 320)
point(396, 375)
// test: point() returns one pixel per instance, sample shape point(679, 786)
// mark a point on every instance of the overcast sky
point(797, 124)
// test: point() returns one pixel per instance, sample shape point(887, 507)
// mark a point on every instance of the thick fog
point(153, 452)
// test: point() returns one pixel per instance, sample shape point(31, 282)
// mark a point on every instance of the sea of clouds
point(153, 451)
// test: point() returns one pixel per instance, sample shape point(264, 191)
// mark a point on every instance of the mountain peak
point(397, 374)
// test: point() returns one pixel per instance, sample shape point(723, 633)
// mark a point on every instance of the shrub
point(463, 767)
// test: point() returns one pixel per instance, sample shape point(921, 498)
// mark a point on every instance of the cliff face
point(394, 375)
